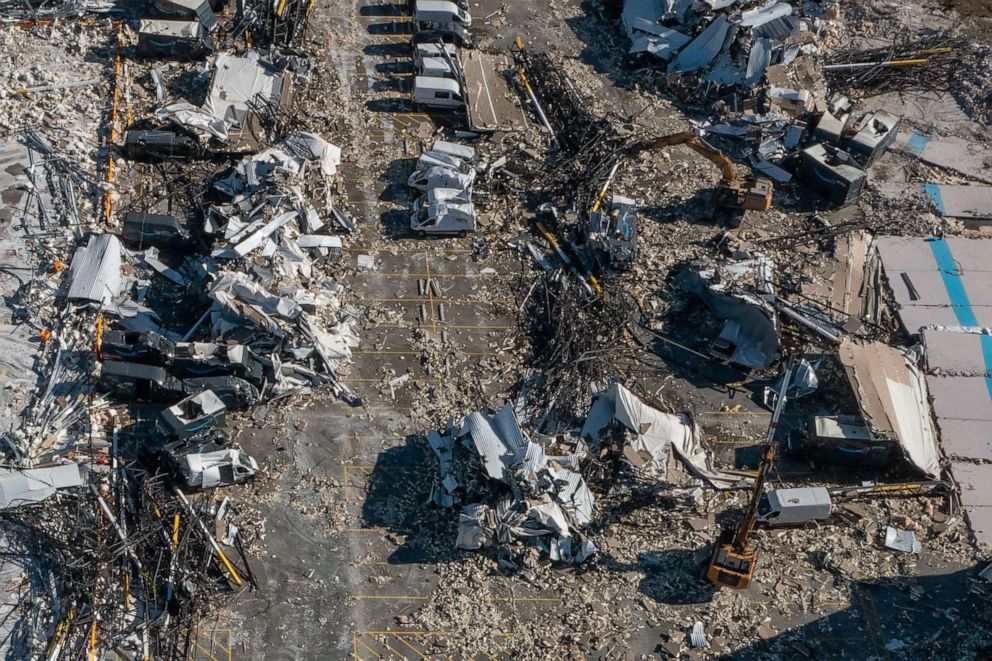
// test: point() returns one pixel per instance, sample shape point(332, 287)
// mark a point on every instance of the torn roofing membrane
point(654, 433)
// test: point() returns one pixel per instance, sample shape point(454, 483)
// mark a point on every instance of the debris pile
point(526, 494)
point(511, 489)
point(134, 565)
point(155, 288)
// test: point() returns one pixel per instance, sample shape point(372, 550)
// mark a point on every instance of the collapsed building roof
point(893, 398)
point(938, 281)
point(238, 83)
point(33, 485)
point(942, 295)
point(95, 272)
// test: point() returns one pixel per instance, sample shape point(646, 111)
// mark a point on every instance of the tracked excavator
point(733, 192)
point(735, 556)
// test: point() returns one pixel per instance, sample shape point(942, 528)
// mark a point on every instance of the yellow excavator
point(733, 192)
point(734, 558)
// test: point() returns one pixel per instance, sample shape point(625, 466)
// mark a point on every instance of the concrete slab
point(961, 155)
point(955, 201)
point(492, 103)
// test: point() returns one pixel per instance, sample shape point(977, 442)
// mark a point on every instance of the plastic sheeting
point(655, 434)
point(240, 301)
point(750, 326)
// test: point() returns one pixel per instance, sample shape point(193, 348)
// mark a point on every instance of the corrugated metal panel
point(489, 446)
point(575, 495)
point(703, 48)
point(779, 28)
point(506, 425)
point(37, 484)
point(95, 272)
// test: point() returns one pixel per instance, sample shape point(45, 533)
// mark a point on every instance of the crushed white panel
point(95, 271)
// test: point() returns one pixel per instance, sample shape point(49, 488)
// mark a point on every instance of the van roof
point(436, 63)
point(435, 48)
point(435, 82)
point(436, 5)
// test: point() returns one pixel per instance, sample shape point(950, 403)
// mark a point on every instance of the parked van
point(440, 177)
point(436, 67)
point(461, 152)
point(439, 21)
point(429, 92)
point(456, 218)
point(431, 158)
point(441, 12)
point(421, 51)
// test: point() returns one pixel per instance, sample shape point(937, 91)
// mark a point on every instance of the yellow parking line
point(377, 655)
point(206, 651)
point(403, 633)
point(390, 648)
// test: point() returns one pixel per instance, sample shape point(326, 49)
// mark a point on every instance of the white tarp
point(654, 434)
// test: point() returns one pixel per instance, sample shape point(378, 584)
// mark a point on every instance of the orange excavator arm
point(731, 192)
point(700, 146)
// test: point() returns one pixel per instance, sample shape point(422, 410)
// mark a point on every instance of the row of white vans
point(444, 176)
point(440, 26)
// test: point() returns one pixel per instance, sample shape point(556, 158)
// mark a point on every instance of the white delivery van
point(431, 158)
point(791, 507)
point(432, 92)
point(457, 218)
point(213, 469)
point(440, 12)
point(456, 150)
point(436, 67)
point(439, 50)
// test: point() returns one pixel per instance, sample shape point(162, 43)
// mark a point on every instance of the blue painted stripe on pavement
point(933, 190)
point(917, 142)
point(954, 285)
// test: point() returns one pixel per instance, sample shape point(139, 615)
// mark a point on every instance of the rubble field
point(607, 329)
